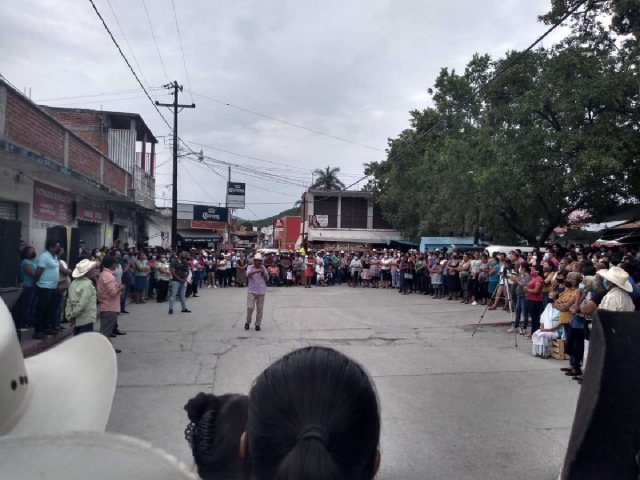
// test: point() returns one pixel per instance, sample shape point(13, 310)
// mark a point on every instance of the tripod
point(505, 284)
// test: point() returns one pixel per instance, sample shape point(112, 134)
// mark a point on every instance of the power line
point(100, 101)
point(135, 59)
point(201, 187)
point(318, 132)
point(103, 94)
point(155, 41)
point(184, 60)
point(252, 212)
point(478, 90)
point(128, 64)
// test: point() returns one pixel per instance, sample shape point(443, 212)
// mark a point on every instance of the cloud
point(351, 69)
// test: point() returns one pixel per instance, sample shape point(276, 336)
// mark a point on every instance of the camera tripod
point(507, 295)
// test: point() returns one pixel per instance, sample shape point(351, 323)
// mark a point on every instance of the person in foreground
point(312, 415)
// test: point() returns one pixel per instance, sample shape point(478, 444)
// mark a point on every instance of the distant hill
point(265, 222)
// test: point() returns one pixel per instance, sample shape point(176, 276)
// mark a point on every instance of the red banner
point(208, 225)
point(98, 215)
point(52, 205)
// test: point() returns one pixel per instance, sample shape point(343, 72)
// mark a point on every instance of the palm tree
point(327, 179)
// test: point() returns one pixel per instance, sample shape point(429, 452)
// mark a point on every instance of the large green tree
point(555, 133)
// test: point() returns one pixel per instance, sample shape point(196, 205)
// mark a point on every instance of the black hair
point(539, 269)
point(526, 267)
point(313, 415)
point(24, 253)
point(50, 243)
point(109, 261)
point(216, 425)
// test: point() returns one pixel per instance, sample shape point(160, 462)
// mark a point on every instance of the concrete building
point(87, 169)
point(286, 232)
point(344, 220)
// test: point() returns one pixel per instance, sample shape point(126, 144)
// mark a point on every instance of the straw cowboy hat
point(617, 276)
point(68, 388)
point(257, 256)
point(83, 267)
point(103, 456)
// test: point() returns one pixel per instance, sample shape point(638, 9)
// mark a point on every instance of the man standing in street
point(179, 274)
point(109, 297)
point(47, 276)
point(81, 308)
point(257, 277)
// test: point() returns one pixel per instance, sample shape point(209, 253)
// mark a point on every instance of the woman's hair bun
point(198, 406)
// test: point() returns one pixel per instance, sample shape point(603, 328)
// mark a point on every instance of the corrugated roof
point(447, 240)
point(628, 226)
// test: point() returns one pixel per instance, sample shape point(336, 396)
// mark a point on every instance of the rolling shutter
point(8, 211)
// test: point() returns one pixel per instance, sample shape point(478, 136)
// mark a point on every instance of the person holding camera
point(520, 282)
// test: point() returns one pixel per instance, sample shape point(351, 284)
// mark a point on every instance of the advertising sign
point(211, 214)
point(51, 206)
point(90, 214)
point(278, 225)
point(185, 212)
point(320, 221)
point(235, 194)
point(205, 224)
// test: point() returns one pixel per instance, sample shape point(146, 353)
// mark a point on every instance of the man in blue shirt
point(47, 276)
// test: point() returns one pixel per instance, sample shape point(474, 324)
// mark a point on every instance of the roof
point(353, 236)
point(141, 126)
point(447, 241)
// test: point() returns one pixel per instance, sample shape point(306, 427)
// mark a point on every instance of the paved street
point(453, 407)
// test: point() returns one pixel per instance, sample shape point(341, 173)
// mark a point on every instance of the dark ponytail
point(216, 424)
point(313, 415)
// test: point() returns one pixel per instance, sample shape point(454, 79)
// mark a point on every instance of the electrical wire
point(318, 132)
point(135, 59)
point(128, 64)
point(184, 60)
point(99, 101)
point(155, 40)
point(480, 89)
point(103, 94)
point(196, 182)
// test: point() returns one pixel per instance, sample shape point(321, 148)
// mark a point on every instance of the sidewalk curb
point(32, 347)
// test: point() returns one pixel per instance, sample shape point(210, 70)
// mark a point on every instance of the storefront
point(122, 227)
point(92, 223)
point(198, 239)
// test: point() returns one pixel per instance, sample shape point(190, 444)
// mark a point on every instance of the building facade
point(65, 167)
point(286, 232)
point(344, 220)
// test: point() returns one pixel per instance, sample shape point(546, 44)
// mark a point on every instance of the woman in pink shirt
point(109, 297)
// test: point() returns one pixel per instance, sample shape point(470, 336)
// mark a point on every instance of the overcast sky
point(352, 69)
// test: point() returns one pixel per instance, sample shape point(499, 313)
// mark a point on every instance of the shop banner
point(205, 224)
point(51, 206)
point(211, 214)
point(90, 214)
point(120, 219)
point(235, 194)
point(320, 221)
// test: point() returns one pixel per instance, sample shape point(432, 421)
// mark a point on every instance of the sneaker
point(170, 312)
point(215, 286)
point(475, 304)
point(186, 310)
point(257, 328)
point(246, 326)
point(511, 330)
point(209, 286)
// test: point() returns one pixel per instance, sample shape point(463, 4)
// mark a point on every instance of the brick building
point(88, 169)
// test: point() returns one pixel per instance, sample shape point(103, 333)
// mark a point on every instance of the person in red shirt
point(109, 297)
point(274, 275)
point(533, 294)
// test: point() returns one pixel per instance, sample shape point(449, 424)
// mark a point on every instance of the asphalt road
point(453, 407)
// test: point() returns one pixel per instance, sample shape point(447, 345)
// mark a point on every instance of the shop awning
point(352, 236)
point(197, 237)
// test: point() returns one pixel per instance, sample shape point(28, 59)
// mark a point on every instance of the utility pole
point(174, 192)
point(227, 206)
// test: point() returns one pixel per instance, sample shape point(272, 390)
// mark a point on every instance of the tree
point(327, 179)
point(557, 132)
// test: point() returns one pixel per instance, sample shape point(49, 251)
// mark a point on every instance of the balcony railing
point(122, 148)
point(144, 188)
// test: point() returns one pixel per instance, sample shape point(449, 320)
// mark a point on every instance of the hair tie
point(314, 432)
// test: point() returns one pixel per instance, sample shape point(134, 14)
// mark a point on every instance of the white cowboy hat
point(82, 268)
point(41, 396)
point(103, 456)
point(257, 256)
point(617, 276)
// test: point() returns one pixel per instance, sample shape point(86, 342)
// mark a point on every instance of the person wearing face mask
point(28, 267)
point(385, 270)
point(547, 273)
point(163, 277)
point(46, 277)
point(393, 269)
point(374, 271)
point(566, 298)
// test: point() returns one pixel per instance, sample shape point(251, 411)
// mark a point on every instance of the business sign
point(206, 224)
point(278, 225)
point(210, 214)
point(320, 221)
point(185, 211)
point(235, 194)
point(90, 214)
point(51, 206)
point(124, 220)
